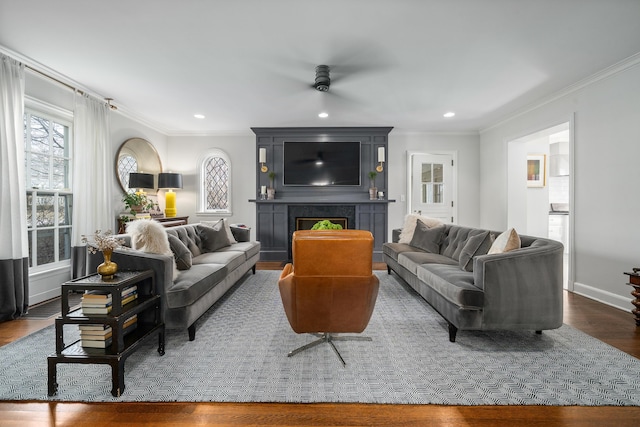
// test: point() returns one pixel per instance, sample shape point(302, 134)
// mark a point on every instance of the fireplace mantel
point(276, 218)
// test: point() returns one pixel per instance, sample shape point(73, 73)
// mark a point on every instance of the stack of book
point(99, 335)
point(100, 302)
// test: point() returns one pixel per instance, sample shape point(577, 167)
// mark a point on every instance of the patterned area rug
point(240, 355)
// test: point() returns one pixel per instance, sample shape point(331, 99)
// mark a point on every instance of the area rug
point(241, 346)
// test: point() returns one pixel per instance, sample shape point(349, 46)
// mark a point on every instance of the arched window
point(215, 179)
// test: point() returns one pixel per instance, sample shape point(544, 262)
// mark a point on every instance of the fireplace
point(315, 213)
point(304, 223)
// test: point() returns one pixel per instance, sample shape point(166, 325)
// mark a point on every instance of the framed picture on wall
point(536, 170)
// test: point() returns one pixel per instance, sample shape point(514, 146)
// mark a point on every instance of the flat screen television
point(321, 163)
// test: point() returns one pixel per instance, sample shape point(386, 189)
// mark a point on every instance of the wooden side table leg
point(636, 303)
point(53, 376)
point(161, 341)
point(117, 377)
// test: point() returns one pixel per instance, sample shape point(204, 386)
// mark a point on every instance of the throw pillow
point(150, 236)
point(475, 245)
point(426, 238)
point(213, 237)
point(410, 225)
point(181, 253)
point(505, 242)
point(227, 228)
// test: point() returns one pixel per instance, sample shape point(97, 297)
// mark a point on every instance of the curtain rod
point(81, 92)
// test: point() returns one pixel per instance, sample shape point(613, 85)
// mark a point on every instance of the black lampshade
point(140, 180)
point(170, 180)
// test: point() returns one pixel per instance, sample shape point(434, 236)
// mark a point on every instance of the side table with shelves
point(149, 322)
point(634, 282)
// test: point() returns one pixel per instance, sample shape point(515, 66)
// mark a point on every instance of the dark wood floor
point(613, 326)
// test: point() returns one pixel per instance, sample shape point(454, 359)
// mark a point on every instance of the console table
point(149, 322)
point(166, 222)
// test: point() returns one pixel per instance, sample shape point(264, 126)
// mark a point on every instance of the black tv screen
point(321, 163)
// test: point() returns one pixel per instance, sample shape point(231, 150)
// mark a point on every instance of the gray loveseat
point(196, 288)
point(516, 290)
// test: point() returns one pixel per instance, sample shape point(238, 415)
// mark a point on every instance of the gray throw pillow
point(475, 245)
point(427, 239)
point(181, 253)
point(213, 237)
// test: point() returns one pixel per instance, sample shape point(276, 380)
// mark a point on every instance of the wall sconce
point(379, 168)
point(139, 181)
point(169, 181)
point(262, 159)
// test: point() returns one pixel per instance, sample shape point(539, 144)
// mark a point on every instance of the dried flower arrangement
point(100, 241)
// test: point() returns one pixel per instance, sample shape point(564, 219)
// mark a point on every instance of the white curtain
point(92, 171)
point(14, 247)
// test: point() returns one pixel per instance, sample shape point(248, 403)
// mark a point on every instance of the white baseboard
point(605, 297)
point(46, 285)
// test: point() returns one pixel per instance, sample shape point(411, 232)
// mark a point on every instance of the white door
point(431, 185)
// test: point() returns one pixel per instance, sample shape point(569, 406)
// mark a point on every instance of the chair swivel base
point(329, 339)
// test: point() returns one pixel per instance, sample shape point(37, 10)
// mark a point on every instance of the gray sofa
point(516, 290)
point(198, 287)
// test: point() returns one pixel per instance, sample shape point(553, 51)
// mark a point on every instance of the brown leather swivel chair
point(330, 288)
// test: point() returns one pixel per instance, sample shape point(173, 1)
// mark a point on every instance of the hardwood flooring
point(613, 326)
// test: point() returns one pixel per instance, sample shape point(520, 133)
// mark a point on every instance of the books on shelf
point(99, 302)
point(100, 335)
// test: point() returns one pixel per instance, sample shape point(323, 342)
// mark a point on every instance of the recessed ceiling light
point(199, 116)
point(449, 114)
point(323, 115)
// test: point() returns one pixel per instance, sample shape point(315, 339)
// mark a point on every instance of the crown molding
point(625, 64)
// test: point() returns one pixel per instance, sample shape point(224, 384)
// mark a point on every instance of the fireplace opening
point(306, 223)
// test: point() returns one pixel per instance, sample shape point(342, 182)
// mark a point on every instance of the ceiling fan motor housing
point(323, 81)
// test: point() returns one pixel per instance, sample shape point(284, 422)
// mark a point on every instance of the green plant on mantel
point(137, 202)
point(372, 178)
point(272, 177)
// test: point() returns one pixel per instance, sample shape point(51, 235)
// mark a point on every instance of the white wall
point(606, 177)
point(467, 148)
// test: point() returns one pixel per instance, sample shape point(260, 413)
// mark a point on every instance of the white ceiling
point(246, 63)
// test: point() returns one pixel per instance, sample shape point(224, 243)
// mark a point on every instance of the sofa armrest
point(522, 288)
point(241, 234)
point(134, 260)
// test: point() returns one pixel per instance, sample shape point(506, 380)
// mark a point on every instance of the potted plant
point(373, 191)
point(271, 191)
point(104, 242)
point(137, 203)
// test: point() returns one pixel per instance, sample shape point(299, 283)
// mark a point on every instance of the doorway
point(541, 205)
point(432, 185)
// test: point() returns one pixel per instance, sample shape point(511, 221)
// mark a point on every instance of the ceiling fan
point(323, 78)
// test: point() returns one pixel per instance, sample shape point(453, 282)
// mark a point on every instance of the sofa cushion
point(226, 225)
point(455, 239)
point(452, 283)
point(249, 249)
point(189, 236)
point(409, 226)
point(505, 242)
point(392, 250)
point(475, 245)
point(231, 259)
point(192, 284)
point(213, 237)
point(181, 253)
point(427, 238)
point(411, 260)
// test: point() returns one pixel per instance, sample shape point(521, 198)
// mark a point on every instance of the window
point(48, 182)
point(215, 178)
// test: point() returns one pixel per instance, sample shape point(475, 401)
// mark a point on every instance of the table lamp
point(139, 181)
point(170, 181)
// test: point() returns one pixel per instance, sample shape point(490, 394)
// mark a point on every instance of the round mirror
point(136, 155)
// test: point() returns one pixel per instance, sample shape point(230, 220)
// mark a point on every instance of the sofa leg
point(539, 332)
point(452, 332)
point(388, 270)
point(253, 269)
point(192, 332)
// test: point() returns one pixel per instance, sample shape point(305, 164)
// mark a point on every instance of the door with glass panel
point(431, 185)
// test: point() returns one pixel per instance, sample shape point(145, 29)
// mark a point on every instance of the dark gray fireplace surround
point(276, 219)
